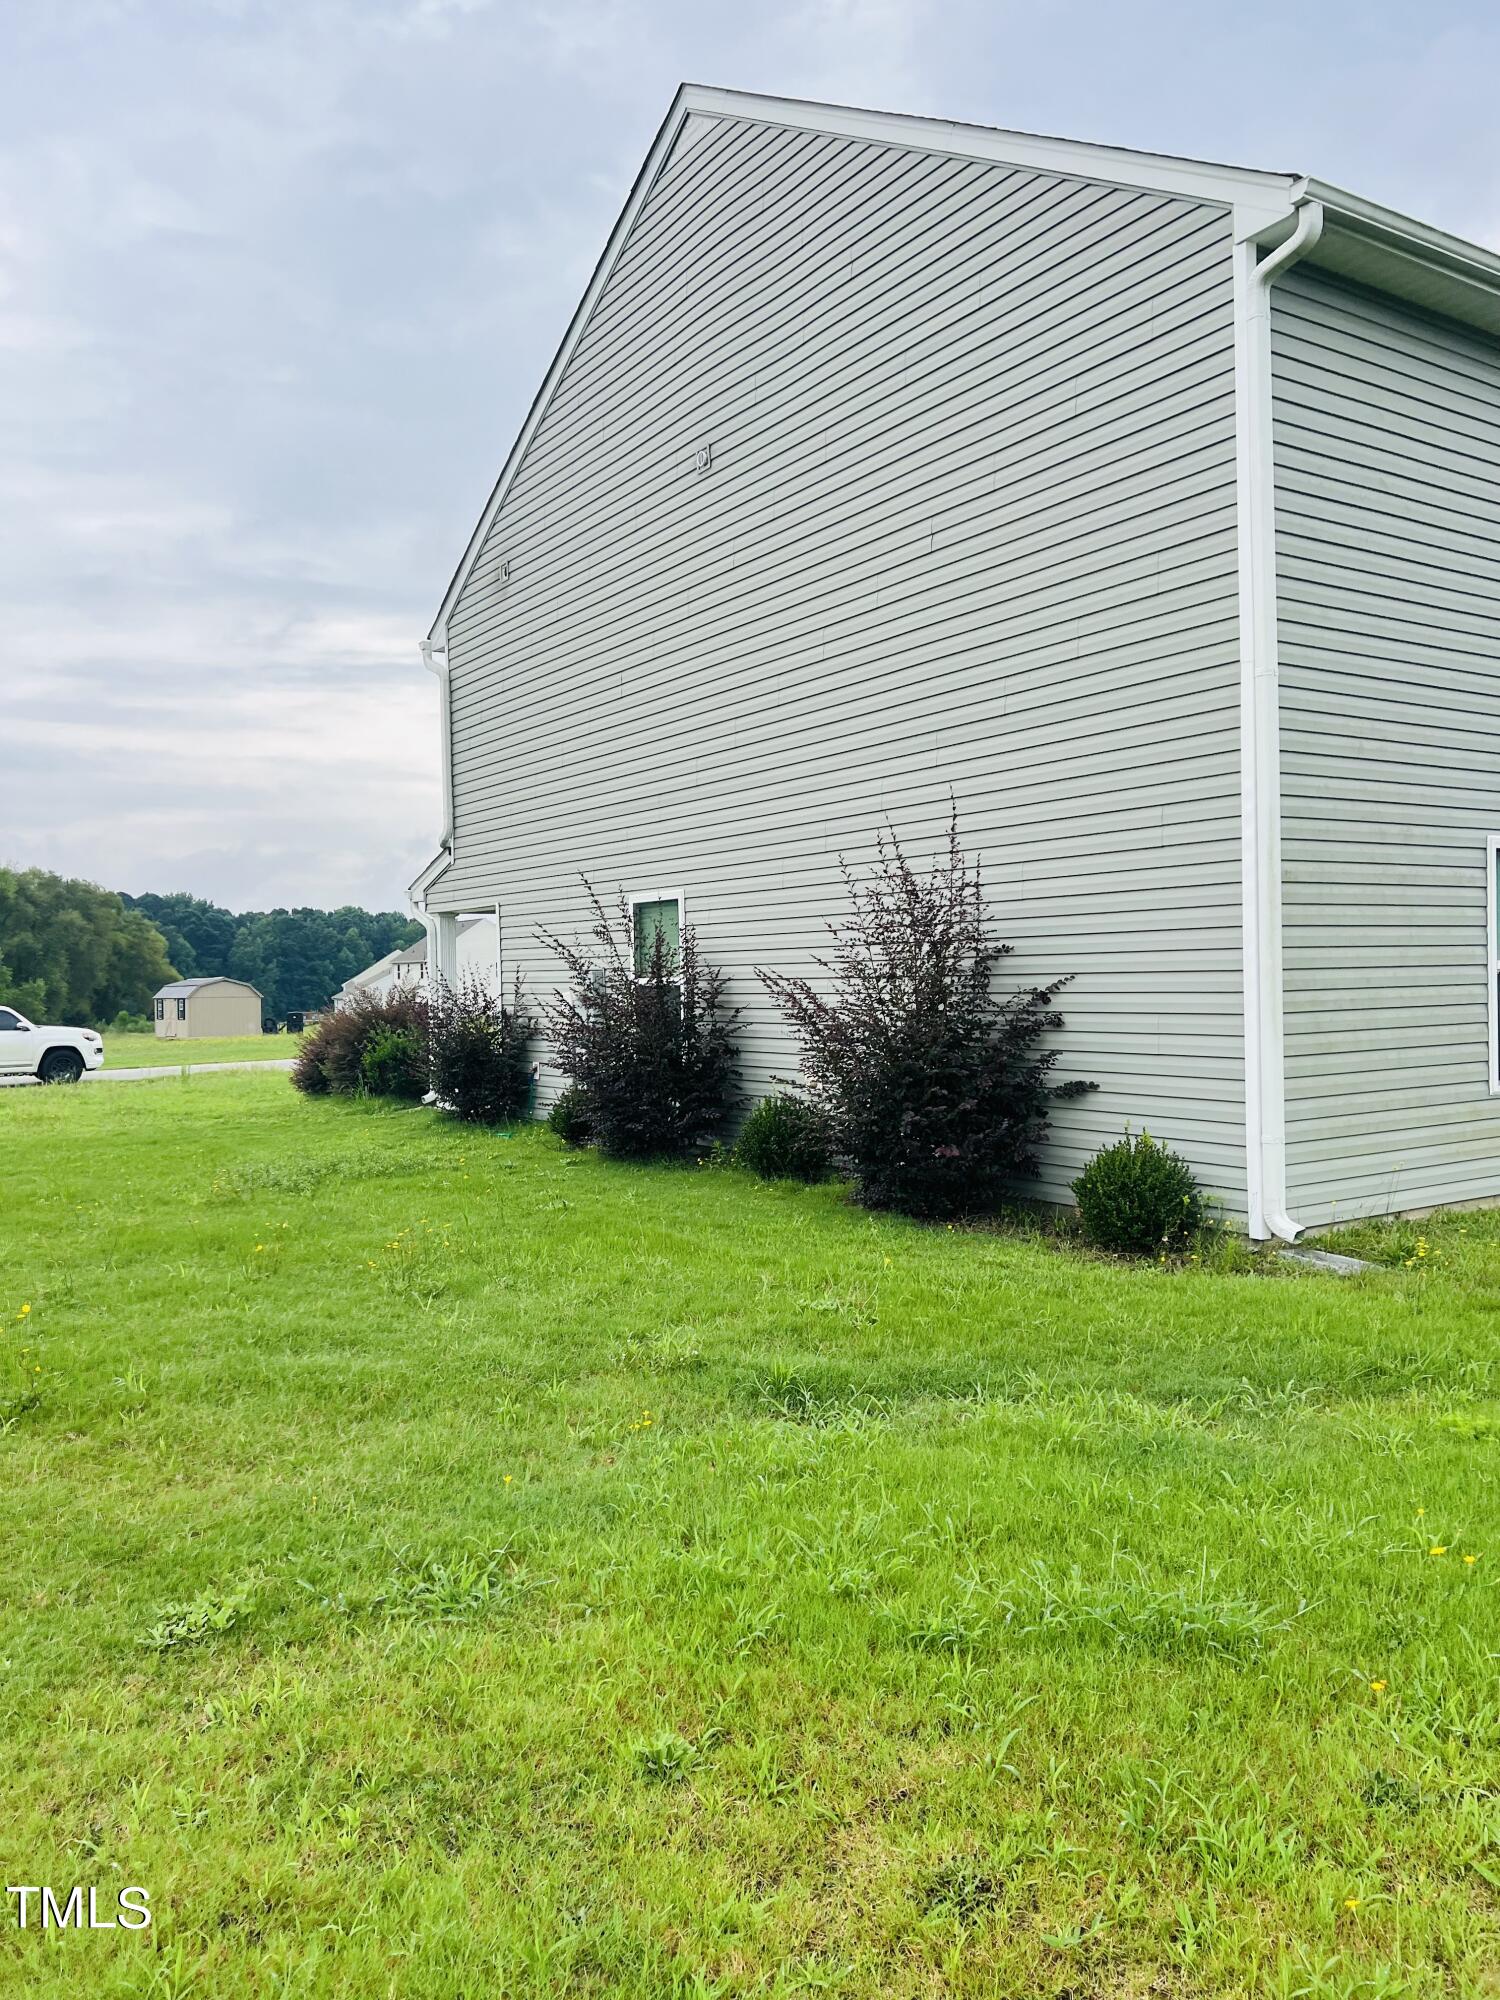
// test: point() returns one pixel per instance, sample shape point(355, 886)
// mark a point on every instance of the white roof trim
point(440, 861)
point(1468, 277)
point(1234, 186)
point(660, 148)
point(1165, 173)
point(177, 989)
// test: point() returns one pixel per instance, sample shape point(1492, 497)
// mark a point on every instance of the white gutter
point(1260, 721)
point(435, 659)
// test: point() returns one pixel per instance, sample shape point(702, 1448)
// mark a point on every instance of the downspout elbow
point(1302, 239)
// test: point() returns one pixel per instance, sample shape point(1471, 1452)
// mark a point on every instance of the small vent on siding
point(704, 459)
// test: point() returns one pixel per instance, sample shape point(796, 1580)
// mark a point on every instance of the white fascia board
point(418, 890)
point(1121, 166)
point(1403, 233)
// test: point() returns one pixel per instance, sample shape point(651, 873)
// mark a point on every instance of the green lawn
point(440, 1565)
point(150, 1052)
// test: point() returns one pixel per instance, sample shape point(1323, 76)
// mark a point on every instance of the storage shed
point(189, 1009)
point(1147, 508)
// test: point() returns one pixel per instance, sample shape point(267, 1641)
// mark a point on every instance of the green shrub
point(569, 1117)
point(130, 1024)
point(331, 1056)
point(1138, 1197)
point(393, 1063)
point(937, 1087)
point(480, 1053)
point(786, 1139)
point(651, 1049)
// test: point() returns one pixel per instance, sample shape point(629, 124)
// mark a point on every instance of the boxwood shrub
point(1138, 1197)
point(786, 1138)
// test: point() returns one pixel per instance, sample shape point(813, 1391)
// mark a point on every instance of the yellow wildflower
point(1438, 1549)
point(1379, 1686)
point(1351, 1902)
point(1471, 1559)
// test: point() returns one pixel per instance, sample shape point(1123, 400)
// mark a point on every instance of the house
point(1149, 508)
point(406, 966)
point(190, 1008)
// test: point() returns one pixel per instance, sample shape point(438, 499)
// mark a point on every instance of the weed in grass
point(664, 1351)
point(958, 1625)
point(1389, 1791)
point(786, 1393)
point(189, 1624)
point(1127, 1609)
point(415, 1264)
point(1472, 1426)
point(666, 1759)
point(445, 1590)
point(961, 1889)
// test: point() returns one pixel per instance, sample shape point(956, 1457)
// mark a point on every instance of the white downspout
point(435, 659)
point(1260, 724)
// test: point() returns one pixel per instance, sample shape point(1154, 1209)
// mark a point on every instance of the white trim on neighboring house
point(1492, 952)
point(1260, 722)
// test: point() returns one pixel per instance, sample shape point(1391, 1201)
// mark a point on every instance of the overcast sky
point(278, 282)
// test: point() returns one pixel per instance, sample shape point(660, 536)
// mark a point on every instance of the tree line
point(73, 952)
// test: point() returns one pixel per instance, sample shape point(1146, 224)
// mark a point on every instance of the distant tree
point(78, 953)
point(199, 934)
point(73, 952)
point(300, 958)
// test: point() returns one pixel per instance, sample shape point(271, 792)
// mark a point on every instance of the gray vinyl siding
point(1388, 557)
point(969, 528)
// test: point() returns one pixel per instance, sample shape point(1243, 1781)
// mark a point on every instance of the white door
point(18, 1043)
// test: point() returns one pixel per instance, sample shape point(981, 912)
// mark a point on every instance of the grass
point(441, 1565)
point(152, 1052)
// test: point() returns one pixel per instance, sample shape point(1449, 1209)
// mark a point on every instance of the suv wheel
point(61, 1066)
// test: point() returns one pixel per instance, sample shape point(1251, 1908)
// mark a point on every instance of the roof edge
point(640, 187)
point(1166, 173)
point(1366, 242)
point(1263, 195)
point(174, 986)
point(1380, 247)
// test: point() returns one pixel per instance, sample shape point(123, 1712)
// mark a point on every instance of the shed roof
point(180, 988)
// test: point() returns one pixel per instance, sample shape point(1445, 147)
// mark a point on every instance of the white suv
point(54, 1055)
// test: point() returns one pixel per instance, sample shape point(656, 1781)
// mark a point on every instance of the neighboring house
point(190, 1008)
point(478, 958)
point(887, 459)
